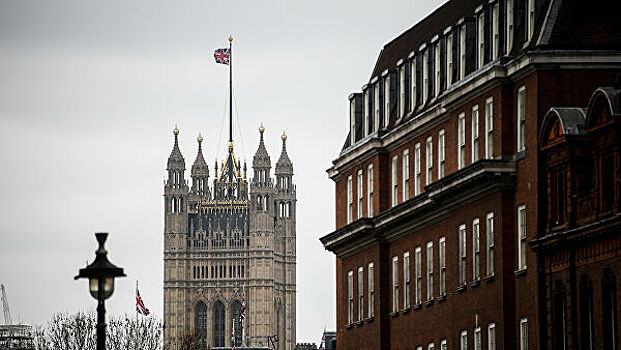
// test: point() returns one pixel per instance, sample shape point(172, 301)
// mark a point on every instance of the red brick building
point(442, 185)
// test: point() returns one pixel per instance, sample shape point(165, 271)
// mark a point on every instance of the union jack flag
point(222, 56)
point(140, 308)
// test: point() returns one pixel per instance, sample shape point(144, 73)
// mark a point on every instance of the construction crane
point(5, 306)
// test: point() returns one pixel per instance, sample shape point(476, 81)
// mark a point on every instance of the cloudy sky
point(90, 93)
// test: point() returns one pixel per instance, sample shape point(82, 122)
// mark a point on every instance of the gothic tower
point(226, 244)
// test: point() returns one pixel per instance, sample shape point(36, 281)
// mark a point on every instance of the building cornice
point(462, 187)
point(477, 83)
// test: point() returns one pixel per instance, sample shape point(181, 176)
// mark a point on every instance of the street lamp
point(101, 274)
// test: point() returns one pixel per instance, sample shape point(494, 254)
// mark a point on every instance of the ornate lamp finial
point(284, 136)
point(176, 130)
point(199, 138)
point(261, 128)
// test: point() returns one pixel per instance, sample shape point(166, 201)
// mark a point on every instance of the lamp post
point(101, 274)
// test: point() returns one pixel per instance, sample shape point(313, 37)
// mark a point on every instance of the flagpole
point(230, 88)
point(136, 300)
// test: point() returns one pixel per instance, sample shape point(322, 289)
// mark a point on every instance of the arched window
point(180, 205)
point(201, 322)
point(267, 198)
point(174, 205)
point(289, 209)
point(236, 307)
point(218, 324)
point(259, 203)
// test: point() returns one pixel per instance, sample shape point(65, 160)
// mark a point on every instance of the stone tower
point(229, 243)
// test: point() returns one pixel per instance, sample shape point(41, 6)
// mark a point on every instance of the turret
point(176, 186)
point(200, 172)
point(261, 163)
point(284, 168)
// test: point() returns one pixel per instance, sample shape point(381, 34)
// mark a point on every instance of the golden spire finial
point(261, 128)
point(199, 138)
point(230, 38)
point(176, 130)
point(284, 136)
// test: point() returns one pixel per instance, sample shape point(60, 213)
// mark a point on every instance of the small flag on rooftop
point(140, 308)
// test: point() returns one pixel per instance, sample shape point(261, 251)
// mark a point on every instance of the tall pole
point(230, 88)
point(101, 316)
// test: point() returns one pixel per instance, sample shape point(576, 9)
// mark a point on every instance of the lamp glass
point(108, 287)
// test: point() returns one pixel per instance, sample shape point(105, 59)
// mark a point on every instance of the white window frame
point(402, 91)
point(530, 19)
point(442, 266)
point(480, 39)
point(443, 345)
point(370, 190)
point(418, 287)
point(509, 26)
point(425, 66)
point(461, 140)
point(449, 60)
point(524, 333)
point(463, 340)
point(476, 250)
point(395, 284)
point(350, 199)
point(377, 104)
point(474, 131)
point(371, 290)
point(522, 231)
point(350, 297)
point(491, 336)
point(406, 280)
point(430, 270)
point(429, 160)
point(441, 154)
point(405, 175)
point(430, 346)
point(366, 101)
point(462, 51)
point(489, 229)
point(462, 254)
point(352, 121)
point(359, 186)
point(360, 293)
point(417, 170)
point(521, 118)
point(495, 31)
point(489, 128)
point(413, 80)
point(386, 101)
point(394, 181)
point(477, 338)
point(436, 67)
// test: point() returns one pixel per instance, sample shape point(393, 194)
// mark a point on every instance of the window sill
point(489, 279)
point(406, 310)
point(417, 306)
point(370, 319)
point(520, 272)
point(429, 302)
point(349, 325)
point(394, 314)
point(461, 288)
point(441, 298)
point(475, 284)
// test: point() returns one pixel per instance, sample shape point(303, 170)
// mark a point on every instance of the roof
point(572, 119)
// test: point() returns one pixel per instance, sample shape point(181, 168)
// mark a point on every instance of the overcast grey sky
point(90, 93)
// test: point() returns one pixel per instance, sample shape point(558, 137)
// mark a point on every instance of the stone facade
point(228, 244)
